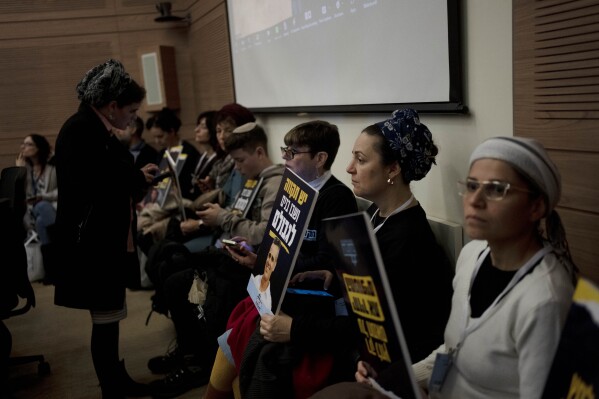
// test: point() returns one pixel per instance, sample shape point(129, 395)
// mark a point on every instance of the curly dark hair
point(43, 149)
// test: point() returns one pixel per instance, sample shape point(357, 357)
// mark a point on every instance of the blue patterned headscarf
point(103, 83)
point(411, 142)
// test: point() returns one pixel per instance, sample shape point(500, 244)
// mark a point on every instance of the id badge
point(443, 363)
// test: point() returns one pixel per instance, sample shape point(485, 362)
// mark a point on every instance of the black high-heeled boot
point(128, 386)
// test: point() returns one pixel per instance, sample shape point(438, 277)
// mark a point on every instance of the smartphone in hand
point(231, 244)
point(237, 245)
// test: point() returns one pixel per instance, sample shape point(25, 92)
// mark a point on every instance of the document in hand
point(175, 167)
point(159, 193)
point(575, 369)
point(355, 253)
point(280, 246)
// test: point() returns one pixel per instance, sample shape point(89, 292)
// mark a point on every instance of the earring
point(390, 182)
point(111, 117)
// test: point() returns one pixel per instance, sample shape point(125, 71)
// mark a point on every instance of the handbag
point(35, 263)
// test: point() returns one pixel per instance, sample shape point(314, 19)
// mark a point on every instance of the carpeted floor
point(63, 336)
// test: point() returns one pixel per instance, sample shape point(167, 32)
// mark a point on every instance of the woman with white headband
point(513, 282)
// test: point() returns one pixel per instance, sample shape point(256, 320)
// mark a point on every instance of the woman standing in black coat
point(97, 186)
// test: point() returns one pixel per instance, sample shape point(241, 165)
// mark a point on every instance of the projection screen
point(346, 55)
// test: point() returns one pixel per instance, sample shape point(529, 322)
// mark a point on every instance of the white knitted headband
point(528, 157)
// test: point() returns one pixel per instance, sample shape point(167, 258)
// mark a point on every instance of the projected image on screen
point(311, 53)
point(264, 14)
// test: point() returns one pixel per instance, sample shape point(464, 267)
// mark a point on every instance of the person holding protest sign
point(227, 280)
point(387, 157)
point(313, 334)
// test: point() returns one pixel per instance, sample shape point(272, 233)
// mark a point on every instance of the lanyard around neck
point(35, 180)
point(397, 210)
point(203, 163)
point(469, 327)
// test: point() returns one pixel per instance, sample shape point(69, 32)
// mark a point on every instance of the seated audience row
point(387, 157)
point(197, 333)
point(306, 329)
point(381, 173)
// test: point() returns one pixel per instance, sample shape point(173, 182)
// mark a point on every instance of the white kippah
point(248, 127)
point(529, 158)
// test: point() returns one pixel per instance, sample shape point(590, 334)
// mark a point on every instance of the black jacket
point(97, 182)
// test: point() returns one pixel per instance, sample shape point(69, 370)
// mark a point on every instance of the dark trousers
point(227, 282)
point(105, 355)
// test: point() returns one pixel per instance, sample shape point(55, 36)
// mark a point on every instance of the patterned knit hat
point(103, 83)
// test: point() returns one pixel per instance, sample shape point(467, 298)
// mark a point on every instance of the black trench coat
point(97, 183)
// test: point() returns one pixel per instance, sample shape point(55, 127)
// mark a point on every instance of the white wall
point(487, 63)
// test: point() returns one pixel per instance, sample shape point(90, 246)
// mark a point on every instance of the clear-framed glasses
point(493, 190)
point(290, 152)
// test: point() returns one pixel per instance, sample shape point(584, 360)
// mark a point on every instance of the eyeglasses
point(25, 143)
point(493, 190)
point(289, 152)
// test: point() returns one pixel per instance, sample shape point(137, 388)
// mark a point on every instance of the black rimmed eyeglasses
point(289, 152)
point(493, 190)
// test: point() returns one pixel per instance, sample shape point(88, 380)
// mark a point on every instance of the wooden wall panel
point(136, 3)
point(211, 59)
point(556, 100)
point(46, 47)
point(199, 9)
point(39, 89)
point(91, 25)
point(38, 6)
point(105, 8)
point(556, 72)
point(580, 185)
point(583, 236)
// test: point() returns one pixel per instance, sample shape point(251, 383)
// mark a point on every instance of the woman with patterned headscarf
point(387, 157)
point(97, 185)
point(514, 281)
